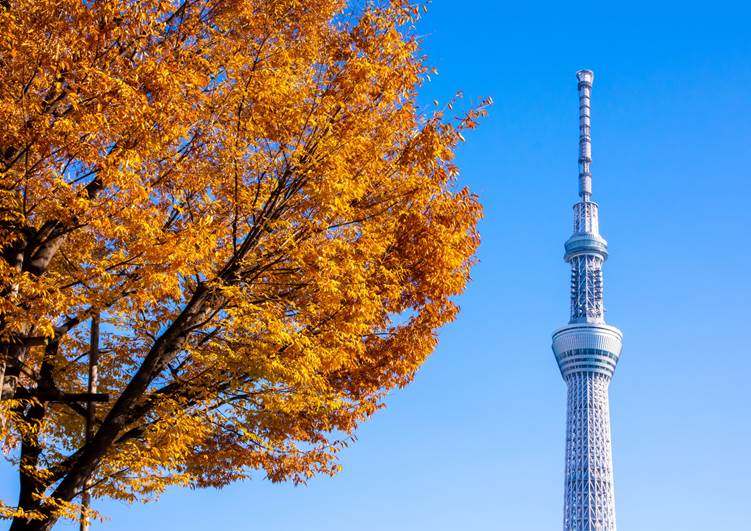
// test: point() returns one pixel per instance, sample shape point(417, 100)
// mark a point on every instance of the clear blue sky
point(477, 441)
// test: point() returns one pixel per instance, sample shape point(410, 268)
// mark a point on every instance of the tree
point(248, 194)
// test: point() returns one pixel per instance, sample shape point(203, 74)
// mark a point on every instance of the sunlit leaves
point(250, 196)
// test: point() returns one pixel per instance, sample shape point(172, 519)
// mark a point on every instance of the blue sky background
point(477, 441)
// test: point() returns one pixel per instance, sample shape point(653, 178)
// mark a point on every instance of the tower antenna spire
point(586, 78)
point(587, 351)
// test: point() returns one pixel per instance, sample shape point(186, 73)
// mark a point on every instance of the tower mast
point(587, 351)
point(586, 78)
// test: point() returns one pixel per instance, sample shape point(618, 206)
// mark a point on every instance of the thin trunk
point(91, 413)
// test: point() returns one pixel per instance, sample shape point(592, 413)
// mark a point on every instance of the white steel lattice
point(587, 351)
point(589, 499)
point(586, 289)
point(586, 217)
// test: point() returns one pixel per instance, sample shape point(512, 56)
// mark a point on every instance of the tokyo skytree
point(587, 351)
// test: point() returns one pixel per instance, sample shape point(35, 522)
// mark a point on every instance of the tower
point(587, 351)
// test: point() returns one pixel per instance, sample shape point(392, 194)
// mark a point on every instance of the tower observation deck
point(587, 351)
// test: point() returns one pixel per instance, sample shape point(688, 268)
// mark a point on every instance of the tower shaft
point(587, 351)
point(589, 496)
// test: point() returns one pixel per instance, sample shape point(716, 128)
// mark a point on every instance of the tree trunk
point(28, 483)
point(91, 412)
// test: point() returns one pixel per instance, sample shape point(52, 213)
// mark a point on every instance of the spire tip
point(585, 76)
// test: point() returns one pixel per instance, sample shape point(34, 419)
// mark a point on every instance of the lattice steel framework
point(587, 351)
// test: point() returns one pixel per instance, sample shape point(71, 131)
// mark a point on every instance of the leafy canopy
point(247, 194)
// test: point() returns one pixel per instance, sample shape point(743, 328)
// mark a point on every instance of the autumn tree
point(247, 195)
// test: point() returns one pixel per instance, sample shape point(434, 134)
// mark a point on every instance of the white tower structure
point(587, 351)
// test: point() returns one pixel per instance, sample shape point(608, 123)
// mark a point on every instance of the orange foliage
point(249, 195)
